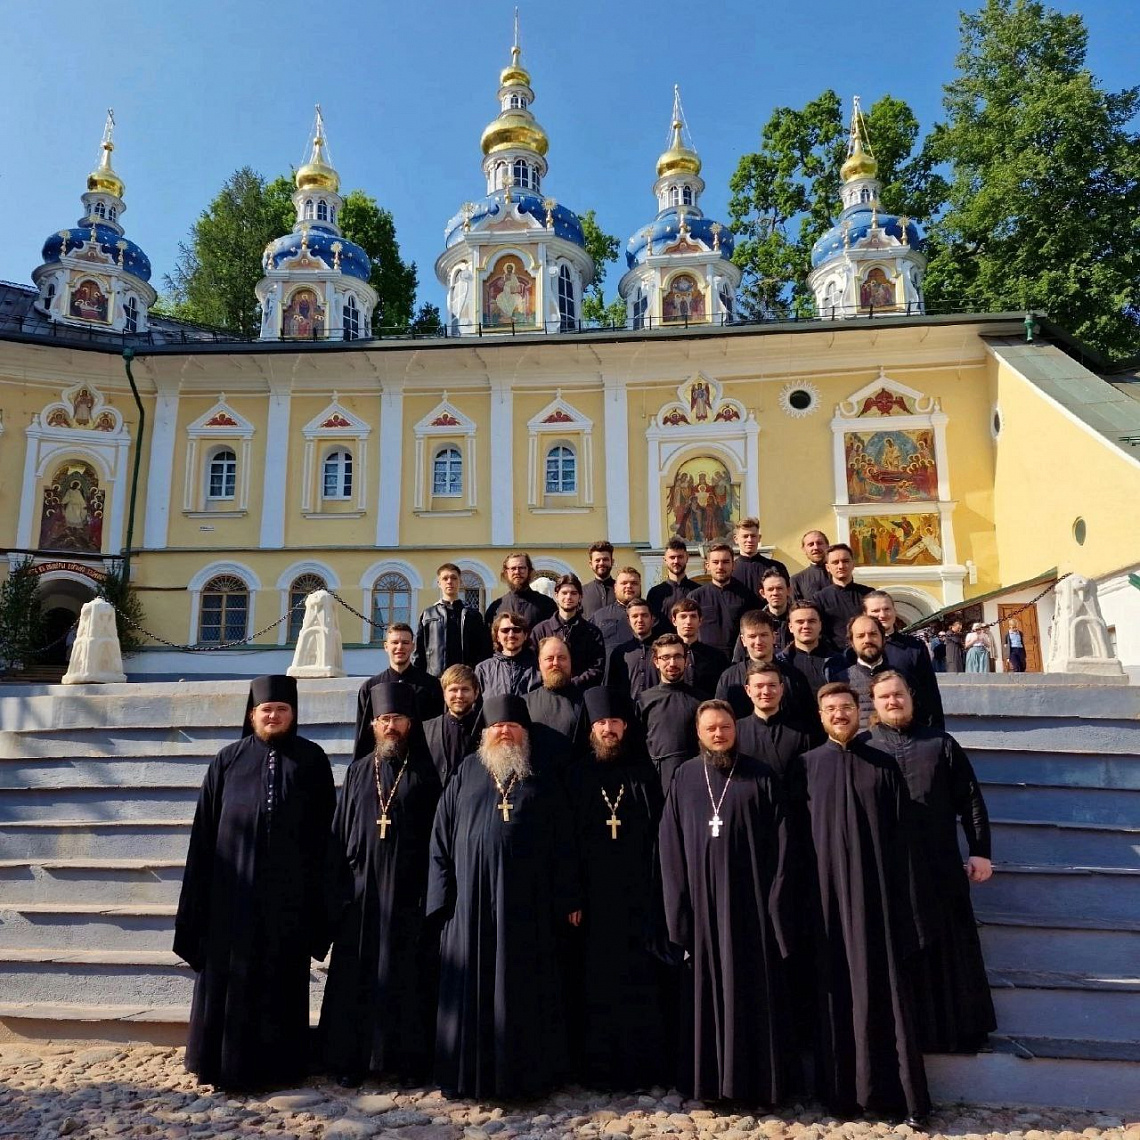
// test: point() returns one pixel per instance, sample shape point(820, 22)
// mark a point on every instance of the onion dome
point(103, 179)
point(120, 250)
point(313, 240)
point(514, 128)
point(564, 222)
point(318, 173)
point(860, 163)
point(678, 158)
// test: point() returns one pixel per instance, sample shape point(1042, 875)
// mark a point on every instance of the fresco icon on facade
point(304, 316)
point(897, 540)
point(508, 295)
point(72, 517)
point(703, 503)
point(684, 300)
point(88, 302)
point(891, 466)
point(876, 292)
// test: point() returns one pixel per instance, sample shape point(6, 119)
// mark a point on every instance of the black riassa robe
point(559, 729)
point(749, 570)
point(704, 665)
point(449, 739)
point(250, 914)
point(808, 582)
point(583, 639)
point(864, 929)
point(502, 890)
point(776, 742)
point(625, 985)
point(631, 670)
point(665, 595)
point(529, 604)
point(429, 703)
point(723, 901)
point(955, 1008)
point(839, 605)
point(379, 1001)
point(810, 665)
point(668, 715)
point(797, 703)
point(721, 610)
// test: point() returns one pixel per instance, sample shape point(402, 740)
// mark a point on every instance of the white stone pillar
point(160, 471)
point(273, 499)
point(502, 466)
point(391, 475)
point(617, 461)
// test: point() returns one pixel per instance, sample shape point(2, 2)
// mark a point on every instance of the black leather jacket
point(431, 639)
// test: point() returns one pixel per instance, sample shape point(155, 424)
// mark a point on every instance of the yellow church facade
point(930, 444)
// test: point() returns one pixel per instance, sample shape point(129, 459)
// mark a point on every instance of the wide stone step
point(150, 770)
point(1064, 805)
point(1051, 732)
point(1070, 1010)
point(95, 803)
point(1011, 944)
point(1066, 844)
point(1061, 894)
point(1058, 769)
point(84, 1021)
point(108, 881)
point(87, 925)
point(125, 978)
point(100, 839)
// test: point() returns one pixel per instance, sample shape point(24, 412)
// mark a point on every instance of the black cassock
point(955, 1009)
point(723, 897)
point(502, 891)
point(379, 999)
point(251, 913)
point(449, 739)
point(864, 928)
point(429, 704)
point(668, 715)
point(625, 988)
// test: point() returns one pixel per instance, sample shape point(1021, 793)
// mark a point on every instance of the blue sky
point(202, 88)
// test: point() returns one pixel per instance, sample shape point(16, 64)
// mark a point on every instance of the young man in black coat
point(449, 632)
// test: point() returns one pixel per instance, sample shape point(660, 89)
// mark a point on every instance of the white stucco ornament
point(1078, 637)
point(95, 657)
point(320, 649)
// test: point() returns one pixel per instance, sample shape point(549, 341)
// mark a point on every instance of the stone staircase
point(96, 803)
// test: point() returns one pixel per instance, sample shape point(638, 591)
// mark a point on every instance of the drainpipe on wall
point(128, 356)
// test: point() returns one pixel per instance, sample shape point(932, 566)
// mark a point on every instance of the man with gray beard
point(723, 846)
point(503, 881)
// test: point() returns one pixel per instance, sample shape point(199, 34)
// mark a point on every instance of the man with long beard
point(955, 1009)
point(503, 881)
point(864, 928)
point(379, 1001)
point(723, 841)
point(250, 913)
point(617, 800)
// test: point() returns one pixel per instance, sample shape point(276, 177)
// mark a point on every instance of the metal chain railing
point(381, 626)
point(213, 647)
point(922, 623)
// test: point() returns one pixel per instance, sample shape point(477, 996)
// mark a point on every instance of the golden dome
point(514, 130)
point(318, 173)
point(103, 179)
point(678, 159)
point(514, 74)
point(859, 163)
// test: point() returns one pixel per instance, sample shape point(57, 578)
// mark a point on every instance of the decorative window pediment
point(562, 428)
point(700, 400)
point(445, 424)
point(445, 419)
point(335, 431)
point(220, 423)
point(83, 408)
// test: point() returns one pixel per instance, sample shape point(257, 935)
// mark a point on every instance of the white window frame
point(444, 424)
point(341, 457)
point(203, 438)
point(335, 428)
point(560, 423)
point(229, 478)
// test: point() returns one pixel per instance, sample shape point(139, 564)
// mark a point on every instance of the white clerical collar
point(871, 667)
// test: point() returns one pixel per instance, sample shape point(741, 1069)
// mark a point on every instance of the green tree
point(21, 616)
point(427, 321)
point(219, 266)
point(129, 613)
point(785, 196)
point(603, 248)
point(1044, 196)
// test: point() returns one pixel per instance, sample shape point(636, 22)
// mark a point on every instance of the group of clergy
point(646, 866)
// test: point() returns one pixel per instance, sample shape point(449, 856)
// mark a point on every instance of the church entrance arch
point(62, 595)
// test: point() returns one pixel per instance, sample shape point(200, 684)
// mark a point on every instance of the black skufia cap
point(505, 707)
point(393, 697)
point(273, 687)
point(602, 703)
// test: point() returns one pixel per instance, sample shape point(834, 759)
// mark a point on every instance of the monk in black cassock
point(558, 727)
point(723, 841)
point(379, 1001)
point(452, 737)
point(955, 1009)
point(865, 925)
point(503, 879)
point(668, 711)
point(617, 801)
point(251, 914)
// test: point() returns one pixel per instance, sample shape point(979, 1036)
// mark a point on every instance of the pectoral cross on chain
point(383, 823)
point(716, 823)
point(613, 823)
point(505, 808)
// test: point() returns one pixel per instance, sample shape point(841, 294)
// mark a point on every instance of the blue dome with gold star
point(860, 220)
point(110, 242)
point(320, 242)
point(666, 227)
point(566, 223)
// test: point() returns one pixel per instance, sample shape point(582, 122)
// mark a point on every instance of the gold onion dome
point(859, 164)
point(514, 128)
point(514, 74)
point(678, 158)
point(103, 179)
point(318, 173)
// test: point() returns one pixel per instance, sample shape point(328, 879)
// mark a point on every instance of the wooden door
point(1029, 632)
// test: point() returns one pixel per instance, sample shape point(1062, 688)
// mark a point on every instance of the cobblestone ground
point(143, 1091)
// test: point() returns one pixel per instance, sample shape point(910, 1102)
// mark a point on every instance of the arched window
point(518, 100)
point(864, 195)
point(447, 472)
point(50, 297)
point(131, 316)
point(500, 174)
point(308, 207)
point(391, 602)
point(674, 195)
point(224, 611)
point(471, 590)
point(640, 308)
point(567, 306)
point(726, 300)
point(112, 213)
point(100, 210)
point(687, 196)
point(221, 473)
point(303, 586)
point(351, 318)
point(535, 181)
point(337, 475)
point(521, 173)
point(322, 210)
point(561, 470)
